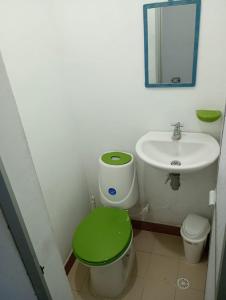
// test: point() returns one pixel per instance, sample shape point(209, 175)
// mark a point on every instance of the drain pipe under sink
point(174, 179)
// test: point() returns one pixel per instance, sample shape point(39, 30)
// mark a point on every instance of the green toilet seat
point(102, 236)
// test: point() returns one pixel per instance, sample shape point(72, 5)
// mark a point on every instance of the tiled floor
point(160, 262)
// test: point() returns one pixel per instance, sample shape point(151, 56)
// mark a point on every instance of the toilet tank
point(118, 180)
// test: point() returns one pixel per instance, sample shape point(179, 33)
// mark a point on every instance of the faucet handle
point(178, 124)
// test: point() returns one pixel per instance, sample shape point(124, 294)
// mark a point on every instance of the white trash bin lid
point(195, 228)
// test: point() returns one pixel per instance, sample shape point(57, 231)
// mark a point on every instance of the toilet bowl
point(103, 241)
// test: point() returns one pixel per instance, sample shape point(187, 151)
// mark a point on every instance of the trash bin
point(194, 232)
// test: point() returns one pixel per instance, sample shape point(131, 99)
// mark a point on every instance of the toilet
point(103, 241)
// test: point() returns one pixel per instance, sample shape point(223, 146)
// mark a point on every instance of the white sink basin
point(194, 151)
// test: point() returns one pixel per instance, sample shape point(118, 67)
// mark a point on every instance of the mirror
point(171, 31)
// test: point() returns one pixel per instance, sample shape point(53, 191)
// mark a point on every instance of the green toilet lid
point(102, 236)
point(116, 158)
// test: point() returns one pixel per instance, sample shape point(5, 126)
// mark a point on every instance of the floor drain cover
point(183, 283)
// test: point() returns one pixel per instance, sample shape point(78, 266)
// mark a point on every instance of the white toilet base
point(111, 280)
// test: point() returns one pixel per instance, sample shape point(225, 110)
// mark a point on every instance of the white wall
point(18, 164)
point(221, 205)
point(32, 54)
point(104, 69)
point(217, 241)
point(77, 73)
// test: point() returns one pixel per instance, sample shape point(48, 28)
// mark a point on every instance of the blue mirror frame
point(196, 41)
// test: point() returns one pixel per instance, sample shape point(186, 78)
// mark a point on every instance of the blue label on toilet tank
point(112, 191)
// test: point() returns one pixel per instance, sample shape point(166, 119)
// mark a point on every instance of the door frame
point(14, 220)
point(221, 291)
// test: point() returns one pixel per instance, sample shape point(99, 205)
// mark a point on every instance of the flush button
point(112, 191)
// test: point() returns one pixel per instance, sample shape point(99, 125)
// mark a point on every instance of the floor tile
point(189, 294)
point(144, 240)
point(160, 261)
point(195, 273)
point(158, 290)
point(143, 261)
point(168, 245)
point(77, 276)
point(162, 268)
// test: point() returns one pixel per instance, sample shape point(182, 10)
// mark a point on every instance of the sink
point(194, 151)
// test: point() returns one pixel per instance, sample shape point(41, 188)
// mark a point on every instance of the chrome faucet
point(177, 131)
